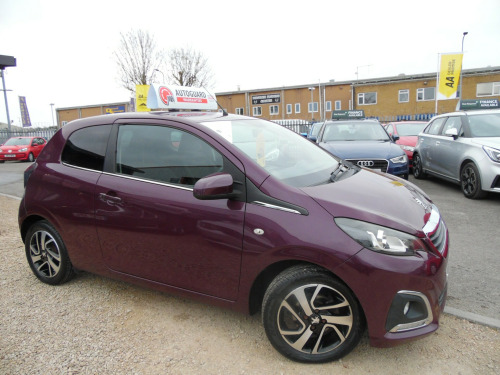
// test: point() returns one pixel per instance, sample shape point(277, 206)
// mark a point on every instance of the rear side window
point(86, 147)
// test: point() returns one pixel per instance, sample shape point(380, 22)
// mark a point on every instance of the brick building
point(408, 97)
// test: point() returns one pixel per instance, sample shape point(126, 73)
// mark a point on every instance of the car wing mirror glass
point(214, 186)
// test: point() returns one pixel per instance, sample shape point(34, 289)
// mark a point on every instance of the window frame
point(297, 107)
point(257, 111)
point(422, 90)
point(240, 111)
point(362, 98)
point(495, 89)
point(314, 106)
point(289, 109)
point(339, 106)
point(404, 92)
point(328, 106)
point(274, 109)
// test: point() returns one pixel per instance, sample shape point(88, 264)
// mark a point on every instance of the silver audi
point(462, 147)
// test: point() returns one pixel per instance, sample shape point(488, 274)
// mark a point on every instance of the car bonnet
point(376, 198)
point(363, 149)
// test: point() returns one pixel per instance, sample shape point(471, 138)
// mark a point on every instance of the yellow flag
point(141, 98)
point(449, 75)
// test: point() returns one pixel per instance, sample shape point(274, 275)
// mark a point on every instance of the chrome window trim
point(420, 323)
point(274, 207)
point(81, 168)
point(148, 181)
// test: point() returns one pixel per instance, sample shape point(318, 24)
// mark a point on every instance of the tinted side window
point(86, 147)
point(434, 127)
point(165, 154)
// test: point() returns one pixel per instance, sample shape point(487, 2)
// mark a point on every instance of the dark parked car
point(464, 148)
point(364, 143)
point(407, 131)
point(22, 148)
point(222, 208)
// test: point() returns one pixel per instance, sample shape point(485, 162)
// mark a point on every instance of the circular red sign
point(165, 94)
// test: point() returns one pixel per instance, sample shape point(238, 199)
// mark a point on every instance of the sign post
point(6, 61)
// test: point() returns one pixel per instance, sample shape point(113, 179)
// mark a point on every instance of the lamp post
point(461, 68)
point(52, 112)
point(163, 76)
point(312, 103)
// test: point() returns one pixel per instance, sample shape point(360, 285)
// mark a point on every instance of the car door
point(149, 223)
point(428, 142)
point(448, 152)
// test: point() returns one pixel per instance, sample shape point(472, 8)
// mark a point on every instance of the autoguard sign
point(180, 97)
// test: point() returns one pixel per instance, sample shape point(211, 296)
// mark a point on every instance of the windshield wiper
point(341, 168)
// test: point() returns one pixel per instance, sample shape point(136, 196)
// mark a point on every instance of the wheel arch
point(27, 223)
point(264, 279)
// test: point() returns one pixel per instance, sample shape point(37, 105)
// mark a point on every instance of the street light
point(312, 103)
point(52, 112)
point(462, 68)
point(157, 70)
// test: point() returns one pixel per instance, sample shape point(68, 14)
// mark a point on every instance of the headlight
point(23, 149)
point(493, 153)
point(407, 148)
point(400, 159)
point(381, 239)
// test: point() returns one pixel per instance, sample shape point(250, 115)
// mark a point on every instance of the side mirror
point(452, 133)
point(395, 137)
point(214, 186)
point(313, 138)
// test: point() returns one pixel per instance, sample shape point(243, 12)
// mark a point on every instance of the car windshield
point(284, 154)
point(485, 125)
point(354, 131)
point(18, 142)
point(410, 129)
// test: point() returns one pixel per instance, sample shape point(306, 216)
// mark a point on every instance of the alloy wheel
point(45, 254)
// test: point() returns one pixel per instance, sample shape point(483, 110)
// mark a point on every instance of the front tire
point(418, 170)
point(47, 254)
point(309, 316)
point(470, 181)
point(31, 157)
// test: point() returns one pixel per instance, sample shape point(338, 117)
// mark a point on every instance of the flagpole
point(437, 84)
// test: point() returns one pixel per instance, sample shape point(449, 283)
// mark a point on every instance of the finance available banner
point(449, 75)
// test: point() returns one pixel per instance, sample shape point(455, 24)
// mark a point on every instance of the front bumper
point(13, 156)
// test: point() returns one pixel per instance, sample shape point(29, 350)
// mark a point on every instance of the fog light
point(409, 310)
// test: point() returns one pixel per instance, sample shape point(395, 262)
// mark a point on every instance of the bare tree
point(137, 58)
point(188, 67)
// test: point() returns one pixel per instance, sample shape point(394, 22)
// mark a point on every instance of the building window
point(404, 96)
point(297, 107)
point(257, 111)
point(239, 111)
point(312, 107)
point(273, 109)
point(328, 106)
point(366, 98)
point(288, 109)
point(338, 105)
point(427, 93)
point(488, 89)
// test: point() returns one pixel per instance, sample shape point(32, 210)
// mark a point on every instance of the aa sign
point(449, 75)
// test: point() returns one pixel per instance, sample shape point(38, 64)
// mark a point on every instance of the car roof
point(471, 112)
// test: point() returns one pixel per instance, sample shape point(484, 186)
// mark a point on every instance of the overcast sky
point(64, 48)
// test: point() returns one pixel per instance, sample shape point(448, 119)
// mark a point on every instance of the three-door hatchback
point(224, 209)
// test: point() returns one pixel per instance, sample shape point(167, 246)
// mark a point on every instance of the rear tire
point(47, 254)
point(418, 171)
point(309, 316)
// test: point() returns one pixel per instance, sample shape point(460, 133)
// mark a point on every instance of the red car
point(408, 135)
point(22, 148)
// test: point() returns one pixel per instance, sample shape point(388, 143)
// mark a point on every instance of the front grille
point(378, 164)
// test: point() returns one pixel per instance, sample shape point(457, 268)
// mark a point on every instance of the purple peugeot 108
point(242, 213)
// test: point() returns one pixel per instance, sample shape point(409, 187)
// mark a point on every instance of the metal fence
point(46, 133)
point(298, 126)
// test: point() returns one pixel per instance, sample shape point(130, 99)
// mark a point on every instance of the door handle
point(109, 199)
